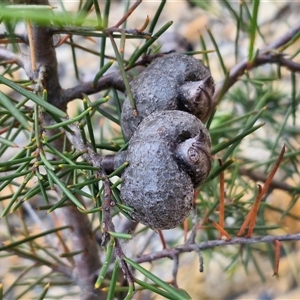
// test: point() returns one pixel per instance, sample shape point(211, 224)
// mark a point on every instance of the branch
point(275, 184)
point(289, 35)
point(277, 59)
point(109, 226)
point(87, 263)
point(95, 159)
point(92, 157)
point(7, 55)
point(215, 243)
point(264, 56)
point(13, 38)
point(111, 80)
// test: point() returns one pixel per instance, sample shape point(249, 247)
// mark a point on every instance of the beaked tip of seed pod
point(192, 89)
point(200, 137)
point(205, 81)
point(194, 156)
point(195, 96)
point(186, 152)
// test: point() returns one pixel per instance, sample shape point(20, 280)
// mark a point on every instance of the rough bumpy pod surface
point(156, 183)
point(171, 82)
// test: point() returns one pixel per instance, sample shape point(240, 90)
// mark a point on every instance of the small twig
point(264, 56)
point(90, 155)
point(126, 270)
point(284, 38)
point(175, 269)
point(109, 226)
point(170, 252)
point(243, 66)
point(277, 59)
point(275, 184)
point(201, 262)
point(6, 38)
point(222, 195)
point(128, 13)
point(95, 159)
point(111, 80)
point(277, 257)
point(9, 56)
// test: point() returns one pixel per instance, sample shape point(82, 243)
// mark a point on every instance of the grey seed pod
point(171, 82)
point(157, 183)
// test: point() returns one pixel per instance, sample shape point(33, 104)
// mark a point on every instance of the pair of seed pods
point(169, 147)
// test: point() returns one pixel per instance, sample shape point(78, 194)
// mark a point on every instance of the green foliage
point(251, 123)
